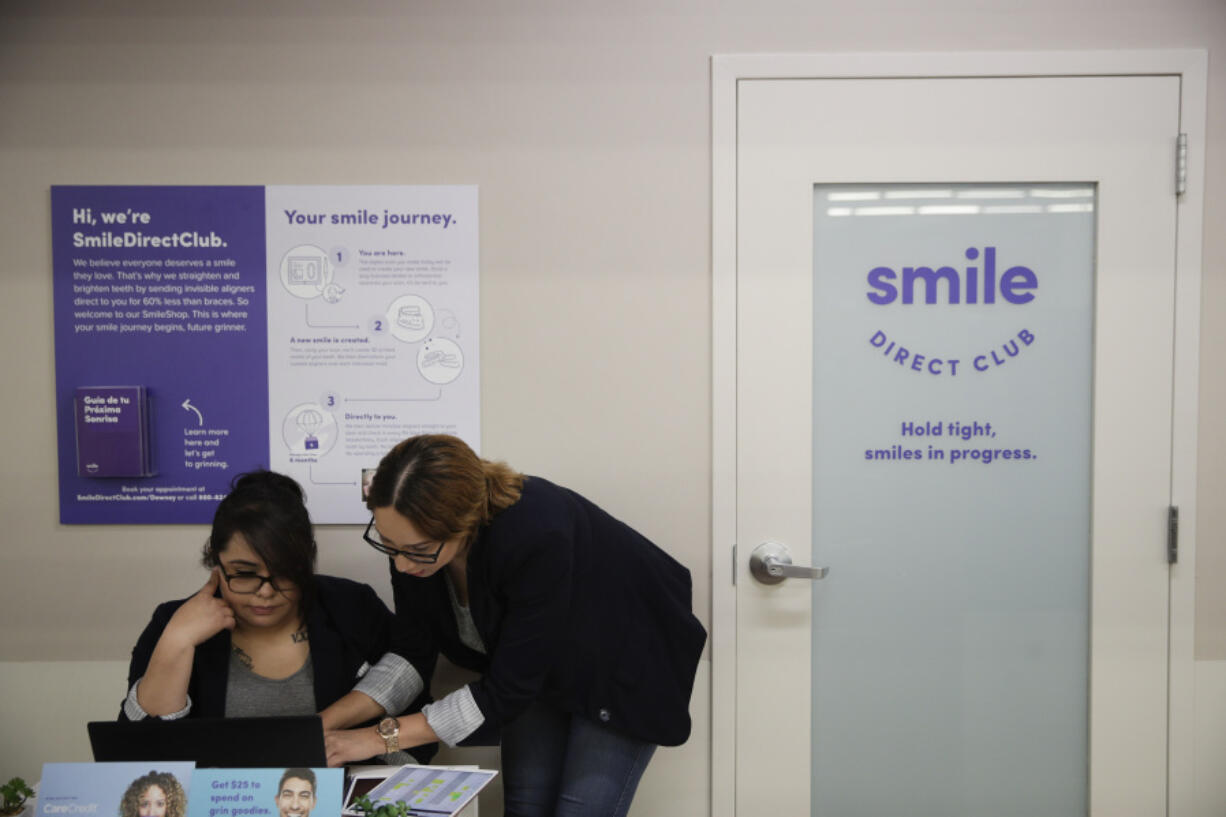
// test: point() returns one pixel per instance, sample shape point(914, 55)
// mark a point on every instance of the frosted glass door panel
point(951, 465)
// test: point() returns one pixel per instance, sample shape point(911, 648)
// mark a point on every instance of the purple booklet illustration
point(112, 425)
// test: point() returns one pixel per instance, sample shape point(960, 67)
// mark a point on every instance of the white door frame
point(726, 71)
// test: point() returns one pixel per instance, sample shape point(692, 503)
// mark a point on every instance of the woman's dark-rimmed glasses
point(419, 556)
point(248, 583)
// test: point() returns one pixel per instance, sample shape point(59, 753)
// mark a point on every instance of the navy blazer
point(575, 609)
point(348, 628)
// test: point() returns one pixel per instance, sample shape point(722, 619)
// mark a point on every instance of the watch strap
point(389, 730)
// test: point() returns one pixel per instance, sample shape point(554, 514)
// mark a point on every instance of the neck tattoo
point(242, 656)
point(299, 636)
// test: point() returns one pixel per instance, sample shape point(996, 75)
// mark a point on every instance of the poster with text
point(372, 337)
point(202, 332)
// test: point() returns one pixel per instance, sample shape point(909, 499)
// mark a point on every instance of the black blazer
point(575, 609)
point(348, 628)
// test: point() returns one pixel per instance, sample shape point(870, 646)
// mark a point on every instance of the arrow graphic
point(187, 404)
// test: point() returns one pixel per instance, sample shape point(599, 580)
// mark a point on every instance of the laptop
point(214, 742)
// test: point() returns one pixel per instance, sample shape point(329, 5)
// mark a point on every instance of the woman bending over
point(580, 626)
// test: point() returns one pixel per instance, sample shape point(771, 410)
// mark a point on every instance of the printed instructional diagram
point(372, 330)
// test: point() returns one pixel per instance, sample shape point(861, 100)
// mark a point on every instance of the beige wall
point(586, 125)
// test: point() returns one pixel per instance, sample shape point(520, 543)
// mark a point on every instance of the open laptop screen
point(216, 742)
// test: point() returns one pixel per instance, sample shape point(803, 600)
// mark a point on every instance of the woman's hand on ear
point(202, 616)
point(163, 689)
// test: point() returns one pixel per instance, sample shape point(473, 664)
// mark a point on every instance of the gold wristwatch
point(389, 730)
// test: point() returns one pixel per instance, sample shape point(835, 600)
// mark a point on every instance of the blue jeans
point(559, 765)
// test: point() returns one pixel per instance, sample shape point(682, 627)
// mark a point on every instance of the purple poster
point(201, 332)
point(160, 309)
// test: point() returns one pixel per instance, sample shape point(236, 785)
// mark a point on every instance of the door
point(954, 343)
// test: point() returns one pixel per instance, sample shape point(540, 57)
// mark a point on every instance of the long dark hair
point(440, 485)
point(268, 509)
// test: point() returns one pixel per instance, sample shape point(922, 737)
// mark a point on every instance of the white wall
point(586, 126)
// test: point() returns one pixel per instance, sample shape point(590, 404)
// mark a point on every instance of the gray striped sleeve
point(393, 683)
point(134, 711)
point(455, 717)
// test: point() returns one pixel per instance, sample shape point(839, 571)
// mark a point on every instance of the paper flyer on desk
point(125, 789)
point(427, 791)
point(291, 792)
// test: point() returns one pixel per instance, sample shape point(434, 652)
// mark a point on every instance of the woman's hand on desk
point(202, 616)
point(349, 745)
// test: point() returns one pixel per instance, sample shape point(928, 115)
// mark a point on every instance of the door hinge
point(1181, 164)
point(734, 564)
point(1172, 534)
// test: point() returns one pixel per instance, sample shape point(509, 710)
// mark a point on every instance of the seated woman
point(265, 635)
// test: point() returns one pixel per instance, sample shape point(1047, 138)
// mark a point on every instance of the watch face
point(388, 727)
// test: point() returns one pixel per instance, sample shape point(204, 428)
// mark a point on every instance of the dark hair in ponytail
point(440, 485)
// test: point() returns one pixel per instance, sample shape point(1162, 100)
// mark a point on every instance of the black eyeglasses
point(415, 552)
point(248, 583)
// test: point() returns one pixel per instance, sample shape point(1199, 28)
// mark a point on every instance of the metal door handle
point(771, 563)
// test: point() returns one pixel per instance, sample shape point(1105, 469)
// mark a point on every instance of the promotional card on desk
point(125, 789)
point(291, 792)
point(427, 791)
